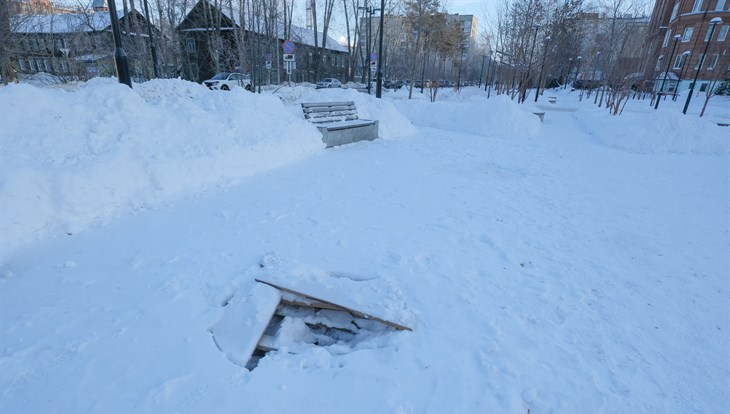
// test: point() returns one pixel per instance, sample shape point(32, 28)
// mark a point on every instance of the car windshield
point(221, 76)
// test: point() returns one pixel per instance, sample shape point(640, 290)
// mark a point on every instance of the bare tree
point(720, 66)
point(423, 17)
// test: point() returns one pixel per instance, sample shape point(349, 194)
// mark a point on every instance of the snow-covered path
point(561, 267)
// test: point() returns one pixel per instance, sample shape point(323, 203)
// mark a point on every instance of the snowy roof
point(306, 36)
point(62, 23)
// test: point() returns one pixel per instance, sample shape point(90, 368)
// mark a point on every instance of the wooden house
point(214, 40)
point(78, 46)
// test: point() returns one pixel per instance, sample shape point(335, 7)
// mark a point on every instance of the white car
point(226, 81)
point(329, 83)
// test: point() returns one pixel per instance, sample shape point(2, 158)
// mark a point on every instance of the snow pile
point(662, 132)
point(496, 117)
point(71, 159)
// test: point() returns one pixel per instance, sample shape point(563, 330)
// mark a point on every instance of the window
point(703, 87)
point(666, 38)
point(720, 5)
point(190, 45)
point(46, 65)
point(723, 33)
point(700, 62)
point(21, 64)
point(707, 35)
point(674, 12)
point(713, 61)
point(64, 66)
point(687, 36)
point(679, 61)
point(31, 64)
point(698, 6)
point(39, 62)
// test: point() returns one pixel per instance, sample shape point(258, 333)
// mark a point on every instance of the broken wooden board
point(316, 302)
point(243, 323)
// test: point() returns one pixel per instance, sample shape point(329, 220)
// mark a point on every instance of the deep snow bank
point(71, 159)
point(661, 132)
point(471, 113)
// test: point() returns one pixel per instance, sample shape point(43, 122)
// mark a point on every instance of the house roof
point(299, 34)
point(305, 36)
point(63, 23)
point(60, 23)
point(99, 4)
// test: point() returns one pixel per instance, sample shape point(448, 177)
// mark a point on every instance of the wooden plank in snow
point(359, 314)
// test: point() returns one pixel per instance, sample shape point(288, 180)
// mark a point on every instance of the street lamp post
point(684, 61)
point(713, 23)
point(461, 66)
point(366, 9)
point(379, 87)
point(593, 77)
point(481, 71)
point(425, 50)
point(542, 67)
point(526, 74)
point(120, 56)
point(153, 48)
point(370, 11)
point(666, 72)
point(487, 82)
point(567, 75)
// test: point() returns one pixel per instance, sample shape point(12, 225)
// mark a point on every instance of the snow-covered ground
point(575, 265)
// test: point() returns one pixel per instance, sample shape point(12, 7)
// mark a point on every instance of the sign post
point(289, 58)
point(373, 68)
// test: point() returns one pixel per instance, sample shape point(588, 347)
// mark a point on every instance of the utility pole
point(713, 23)
point(120, 56)
point(539, 79)
point(666, 72)
point(153, 48)
point(379, 87)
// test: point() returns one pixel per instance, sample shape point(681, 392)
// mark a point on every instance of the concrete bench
point(338, 122)
point(540, 115)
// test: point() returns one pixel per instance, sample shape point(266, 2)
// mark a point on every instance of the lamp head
point(715, 20)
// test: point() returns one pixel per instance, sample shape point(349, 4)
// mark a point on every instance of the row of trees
point(539, 43)
point(528, 44)
point(600, 46)
point(434, 35)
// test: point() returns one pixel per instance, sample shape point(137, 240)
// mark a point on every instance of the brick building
point(690, 19)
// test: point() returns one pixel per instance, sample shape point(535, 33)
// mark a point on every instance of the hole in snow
point(298, 325)
point(272, 318)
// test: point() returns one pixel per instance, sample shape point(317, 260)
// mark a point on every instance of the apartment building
point(692, 21)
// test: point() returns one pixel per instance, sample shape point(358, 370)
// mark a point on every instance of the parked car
point(329, 83)
point(226, 81)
